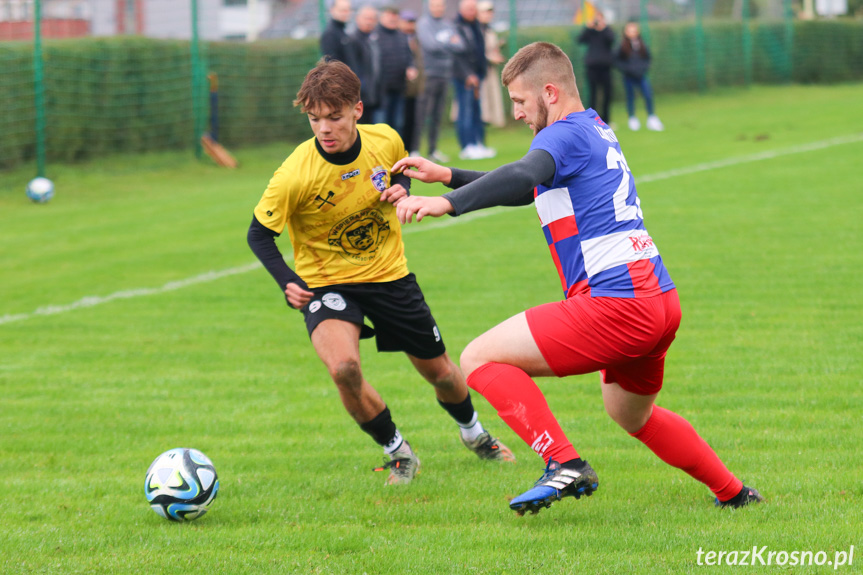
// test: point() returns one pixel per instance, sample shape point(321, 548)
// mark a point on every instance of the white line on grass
point(92, 301)
point(766, 155)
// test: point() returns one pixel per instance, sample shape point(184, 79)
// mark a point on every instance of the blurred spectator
point(397, 67)
point(369, 61)
point(469, 68)
point(335, 42)
point(598, 60)
point(414, 90)
point(490, 93)
point(633, 59)
point(440, 43)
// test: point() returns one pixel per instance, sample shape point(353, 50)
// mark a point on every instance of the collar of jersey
point(341, 158)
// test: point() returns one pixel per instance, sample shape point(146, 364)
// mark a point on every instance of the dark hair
point(626, 45)
point(330, 83)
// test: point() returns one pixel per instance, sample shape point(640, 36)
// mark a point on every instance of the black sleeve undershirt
point(262, 240)
point(402, 179)
point(509, 185)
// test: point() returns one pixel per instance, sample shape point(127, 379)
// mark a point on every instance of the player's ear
point(551, 93)
point(358, 110)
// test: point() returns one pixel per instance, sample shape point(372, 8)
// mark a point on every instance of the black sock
point(577, 464)
point(461, 412)
point(739, 498)
point(381, 427)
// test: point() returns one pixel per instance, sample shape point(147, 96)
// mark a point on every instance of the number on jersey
point(622, 211)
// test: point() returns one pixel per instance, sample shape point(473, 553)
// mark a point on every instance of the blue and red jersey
point(591, 214)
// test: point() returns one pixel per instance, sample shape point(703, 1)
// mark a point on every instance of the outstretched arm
point(510, 185)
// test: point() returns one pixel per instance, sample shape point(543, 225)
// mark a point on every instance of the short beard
point(541, 115)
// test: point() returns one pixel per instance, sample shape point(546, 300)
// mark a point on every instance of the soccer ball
point(181, 484)
point(40, 190)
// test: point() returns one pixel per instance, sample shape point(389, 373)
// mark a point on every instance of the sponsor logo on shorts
point(334, 301)
point(379, 178)
point(542, 443)
point(314, 306)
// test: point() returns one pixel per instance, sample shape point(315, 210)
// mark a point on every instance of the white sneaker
point(653, 123)
point(470, 152)
point(634, 124)
point(415, 154)
point(439, 156)
point(486, 152)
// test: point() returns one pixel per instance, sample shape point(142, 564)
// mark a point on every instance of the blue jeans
point(468, 125)
point(643, 84)
point(392, 110)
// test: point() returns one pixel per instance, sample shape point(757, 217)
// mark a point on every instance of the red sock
point(676, 442)
point(523, 407)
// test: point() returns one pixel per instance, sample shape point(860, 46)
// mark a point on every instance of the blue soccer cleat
point(556, 483)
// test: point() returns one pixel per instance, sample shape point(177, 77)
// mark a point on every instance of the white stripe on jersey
point(606, 252)
point(554, 205)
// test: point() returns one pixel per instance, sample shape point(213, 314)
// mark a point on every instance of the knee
point(630, 420)
point(470, 359)
point(445, 376)
point(616, 415)
point(347, 374)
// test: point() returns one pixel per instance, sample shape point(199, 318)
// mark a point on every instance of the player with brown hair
point(351, 266)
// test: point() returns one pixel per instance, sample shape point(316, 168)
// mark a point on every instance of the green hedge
point(127, 94)
point(257, 86)
point(822, 52)
point(17, 133)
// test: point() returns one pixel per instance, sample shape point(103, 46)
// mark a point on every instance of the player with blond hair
point(621, 311)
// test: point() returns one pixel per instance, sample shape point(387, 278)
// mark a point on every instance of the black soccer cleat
point(746, 496)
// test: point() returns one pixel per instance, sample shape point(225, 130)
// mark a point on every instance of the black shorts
point(401, 318)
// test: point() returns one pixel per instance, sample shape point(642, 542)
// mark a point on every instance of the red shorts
point(624, 338)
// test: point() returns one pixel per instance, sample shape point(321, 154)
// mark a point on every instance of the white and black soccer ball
point(181, 484)
point(40, 190)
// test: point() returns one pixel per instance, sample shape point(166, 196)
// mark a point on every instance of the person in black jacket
point(469, 69)
point(365, 38)
point(598, 60)
point(335, 42)
point(397, 67)
point(633, 59)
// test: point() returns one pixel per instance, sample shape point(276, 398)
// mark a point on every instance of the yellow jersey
point(339, 229)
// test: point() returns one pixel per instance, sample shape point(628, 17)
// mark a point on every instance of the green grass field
point(132, 321)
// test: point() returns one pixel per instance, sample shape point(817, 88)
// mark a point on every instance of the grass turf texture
point(766, 256)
